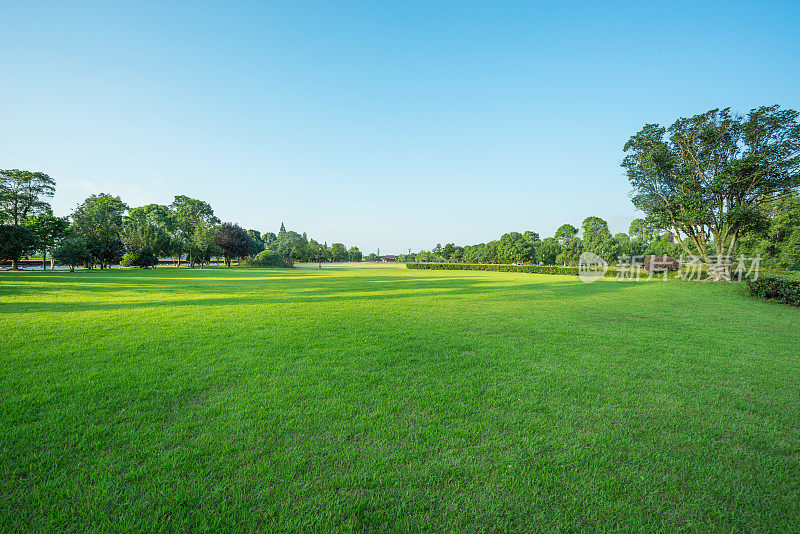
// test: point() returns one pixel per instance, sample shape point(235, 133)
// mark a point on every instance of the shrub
point(143, 257)
point(72, 252)
point(267, 258)
point(536, 269)
point(784, 289)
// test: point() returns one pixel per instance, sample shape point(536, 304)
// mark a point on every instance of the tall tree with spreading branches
point(706, 179)
point(23, 193)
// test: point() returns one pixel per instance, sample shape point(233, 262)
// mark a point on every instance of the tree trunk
point(44, 260)
point(15, 265)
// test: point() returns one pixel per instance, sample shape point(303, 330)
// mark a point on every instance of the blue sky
point(381, 124)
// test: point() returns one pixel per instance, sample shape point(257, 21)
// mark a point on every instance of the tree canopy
point(23, 193)
point(707, 178)
point(99, 220)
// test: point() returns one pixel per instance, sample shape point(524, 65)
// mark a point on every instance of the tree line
point(103, 230)
point(713, 186)
point(776, 240)
point(563, 248)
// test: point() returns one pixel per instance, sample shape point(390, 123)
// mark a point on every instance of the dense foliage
point(564, 248)
point(142, 257)
point(104, 231)
point(708, 179)
point(99, 220)
point(785, 289)
point(267, 258)
point(23, 196)
point(73, 252)
point(16, 241)
point(536, 269)
point(234, 242)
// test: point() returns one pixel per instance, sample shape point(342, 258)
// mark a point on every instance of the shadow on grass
point(266, 291)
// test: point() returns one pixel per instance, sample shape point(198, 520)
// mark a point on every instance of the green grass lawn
point(390, 399)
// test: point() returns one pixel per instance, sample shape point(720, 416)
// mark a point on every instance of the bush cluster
point(504, 267)
point(143, 258)
point(267, 258)
point(784, 289)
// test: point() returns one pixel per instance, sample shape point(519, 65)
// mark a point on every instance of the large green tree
point(152, 226)
point(202, 246)
point(597, 238)
point(99, 220)
point(778, 243)
point(292, 246)
point(707, 178)
point(339, 252)
point(317, 252)
point(548, 251)
point(192, 215)
point(565, 233)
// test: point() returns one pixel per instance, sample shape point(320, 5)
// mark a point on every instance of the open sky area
point(380, 124)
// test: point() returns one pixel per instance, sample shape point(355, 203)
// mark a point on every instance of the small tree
point(48, 230)
point(72, 252)
point(234, 242)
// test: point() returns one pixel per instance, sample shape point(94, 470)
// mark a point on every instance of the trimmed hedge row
point(536, 269)
point(784, 289)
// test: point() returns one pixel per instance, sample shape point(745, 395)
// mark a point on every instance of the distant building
point(388, 257)
point(660, 264)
